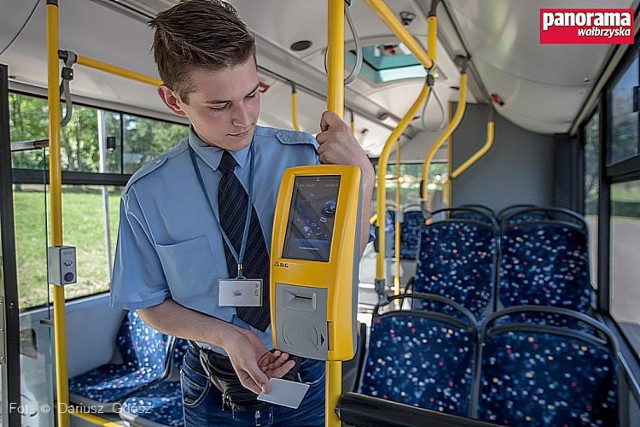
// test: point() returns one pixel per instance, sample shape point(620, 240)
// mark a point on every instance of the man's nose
point(240, 116)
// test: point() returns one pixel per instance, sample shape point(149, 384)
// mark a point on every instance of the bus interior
point(506, 170)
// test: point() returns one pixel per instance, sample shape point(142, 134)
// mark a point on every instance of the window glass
point(625, 253)
point(410, 177)
point(592, 189)
point(85, 228)
point(80, 139)
point(110, 147)
point(145, 139)
point(28, 121)
point(624, 121)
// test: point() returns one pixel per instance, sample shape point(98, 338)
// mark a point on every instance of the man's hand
point(338, 145)
point(253, 363)
point(275, 364)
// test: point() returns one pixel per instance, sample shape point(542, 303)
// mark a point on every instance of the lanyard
point(245, 233)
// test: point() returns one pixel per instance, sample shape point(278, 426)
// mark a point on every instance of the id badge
point(240, 293)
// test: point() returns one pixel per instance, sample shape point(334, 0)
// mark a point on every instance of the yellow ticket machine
point(314, 262)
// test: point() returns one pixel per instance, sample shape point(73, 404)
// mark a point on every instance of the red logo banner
point(586, 26)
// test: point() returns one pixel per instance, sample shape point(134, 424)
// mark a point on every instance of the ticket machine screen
point(311, 218)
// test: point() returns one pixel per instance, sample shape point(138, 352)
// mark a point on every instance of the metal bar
point(360, 410)
point(453, 124)
point(34, 176)
point(335, 103)
point(8, 271)
point(55, 188)
point(389, 18)
point(399, 213)
point(118, 71)
point(94, 419)
point(294, 107)
point(432, 37)
point(29, 145)
point(481, 152)
point(335, 58)
point(382, 171)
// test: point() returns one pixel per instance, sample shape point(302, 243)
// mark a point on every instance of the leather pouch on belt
point(234, 395)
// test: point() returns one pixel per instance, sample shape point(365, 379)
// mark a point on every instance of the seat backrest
point(177, 356)
point(410, 229)
point(526, 213)
point(479, 213)
point(142, 347)
point(420, 357)
point(544, 263)
point(534, 374)
point(471, 212)
point(389, 229)
point(457, 260)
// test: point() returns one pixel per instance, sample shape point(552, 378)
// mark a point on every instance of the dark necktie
point(232, 207)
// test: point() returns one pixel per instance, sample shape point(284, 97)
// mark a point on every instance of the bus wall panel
point(519, 167)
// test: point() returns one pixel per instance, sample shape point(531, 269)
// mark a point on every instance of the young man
point(175, 248)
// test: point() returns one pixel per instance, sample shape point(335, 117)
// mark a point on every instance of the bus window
point(145, 139)
point(623, 133)
point(625, 253)
point(592, 189)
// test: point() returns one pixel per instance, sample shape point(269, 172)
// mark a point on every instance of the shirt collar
point(212, 155)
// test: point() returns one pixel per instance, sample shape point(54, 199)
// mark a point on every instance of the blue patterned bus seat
point(160, 404)
point(421, 358)
point(538, 375)
point(458, 261)
point(545, 263)
point(410, 229)
point(144, 353)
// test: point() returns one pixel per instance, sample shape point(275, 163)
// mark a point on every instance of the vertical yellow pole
point(445, 195)
point(55, 197)
point(335, 103)
point(294, 107)
point(432, 38)
point(382, 168)
point(396, 276)
point(353, 123)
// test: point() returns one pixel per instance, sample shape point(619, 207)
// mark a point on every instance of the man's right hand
point(253, 363)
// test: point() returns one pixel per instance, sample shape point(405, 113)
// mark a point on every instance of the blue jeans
point(203, 401)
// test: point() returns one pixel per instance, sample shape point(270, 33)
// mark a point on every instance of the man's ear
point(170, 99)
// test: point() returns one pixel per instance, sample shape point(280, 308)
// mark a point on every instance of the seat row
point(142, 383)
point(522, 365)
point(535, 257)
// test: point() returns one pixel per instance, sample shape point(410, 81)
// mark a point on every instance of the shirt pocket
point(189, 268)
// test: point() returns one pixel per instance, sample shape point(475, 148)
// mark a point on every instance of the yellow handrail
point(335, 103)
point(447, 194)
point(94, 419)
point(396, 275)
point(112, 69)
point(389, 18)
point(55, 200)
point(481, 152)
point(294, 107)
point(453, 124)
point(432, 30)
point(55, 188)
point(382, 168)
point(352, 123)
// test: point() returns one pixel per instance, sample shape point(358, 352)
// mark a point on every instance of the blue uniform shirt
point(168, 243)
